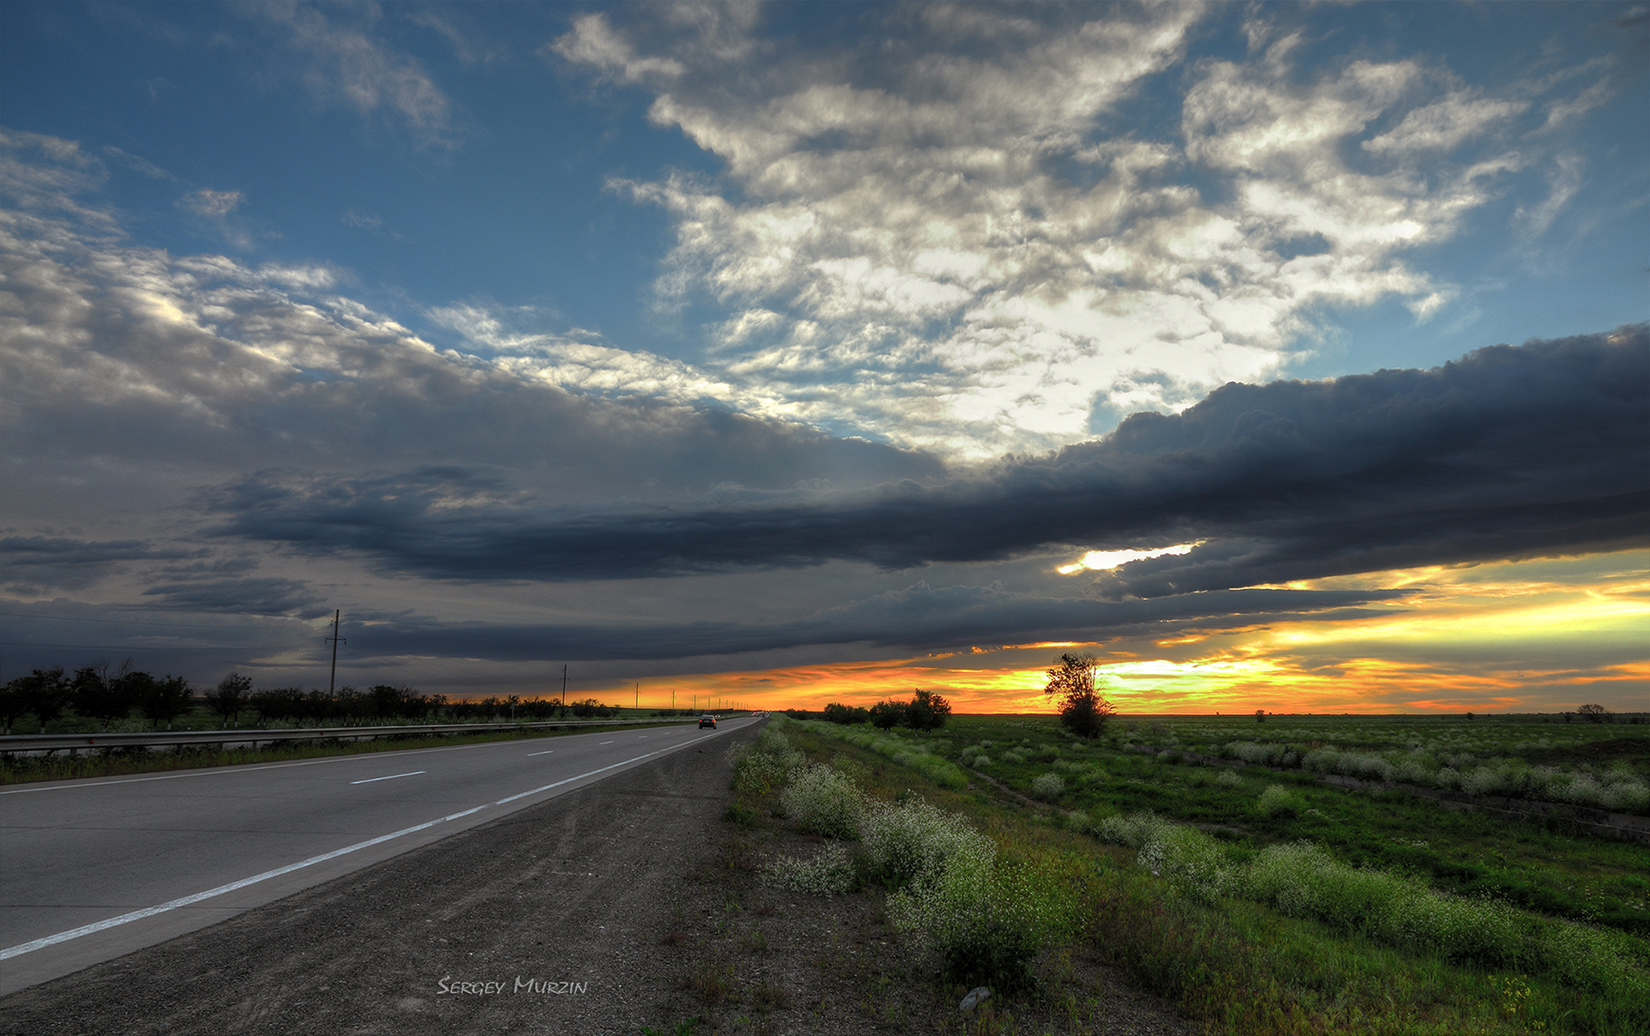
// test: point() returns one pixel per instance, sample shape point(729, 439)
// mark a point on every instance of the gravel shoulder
point(627, 907)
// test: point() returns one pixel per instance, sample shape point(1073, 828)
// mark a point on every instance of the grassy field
point(1257, 900)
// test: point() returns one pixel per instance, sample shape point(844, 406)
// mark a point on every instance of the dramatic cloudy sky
point(1286, 356)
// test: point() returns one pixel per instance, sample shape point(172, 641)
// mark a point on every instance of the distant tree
point(46, 693)
point(887, 714)
point(845, 714)
point(386, 700)
point(103, 694)
point(164, 700)
point(13, 703)
point(229, 697)
point(927, 711)
point(276, 703)
point(1082, 710)
point(1260, 715)
point(1595, 713)
point(584, 709)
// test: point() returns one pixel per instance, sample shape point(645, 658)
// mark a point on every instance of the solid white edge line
point(391, 777)
point(138, 915)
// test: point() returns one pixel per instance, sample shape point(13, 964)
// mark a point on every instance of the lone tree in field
point(1595, 713)
point(1082, 710)
point(927, 711)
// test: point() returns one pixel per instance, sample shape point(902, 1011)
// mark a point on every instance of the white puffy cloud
point(954, 234)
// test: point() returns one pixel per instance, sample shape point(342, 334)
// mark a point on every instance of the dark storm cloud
point(256, 596)
point(918, 616)
point(1508, 452)
point(61, 562)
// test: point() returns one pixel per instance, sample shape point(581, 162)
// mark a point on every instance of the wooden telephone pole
point(335, 638)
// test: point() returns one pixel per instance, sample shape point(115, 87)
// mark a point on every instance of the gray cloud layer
point(918, 616)
point(1511, 451)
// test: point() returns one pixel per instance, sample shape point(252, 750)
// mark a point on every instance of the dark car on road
point(707, 720)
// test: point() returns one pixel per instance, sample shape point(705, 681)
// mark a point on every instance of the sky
point(1290, 357)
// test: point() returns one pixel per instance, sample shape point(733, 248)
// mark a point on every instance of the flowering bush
point(914, 842)
point(763, 764)
point(985, 922)
point(823, 801)
point(1048, 787)
point(829, 873)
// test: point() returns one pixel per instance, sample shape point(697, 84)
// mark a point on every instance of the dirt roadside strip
point(625, 907)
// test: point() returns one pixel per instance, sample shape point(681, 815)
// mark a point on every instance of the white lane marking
point(601, 743)
point(138, 915)
point(391, 777)
point(547, 751)
point(570, 780)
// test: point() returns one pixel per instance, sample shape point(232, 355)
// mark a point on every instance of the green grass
point(1262, 957)
point(1543, 866)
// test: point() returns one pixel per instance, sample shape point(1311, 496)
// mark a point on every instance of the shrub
point(1048, 787)
point(763, 765)
point(829, 873)
point(823, 801)
point(986, 923)
point(1228, 779)
point(1277, 800)
point(913, 842)
point(1192, 862)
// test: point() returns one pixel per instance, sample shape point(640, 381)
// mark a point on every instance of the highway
point(96, 868)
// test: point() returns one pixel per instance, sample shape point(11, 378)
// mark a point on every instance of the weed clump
point(914, 842)
point(823, 801)
point(1278, 801)
point(1048, 787)
point(830, 872)
point(763, 765)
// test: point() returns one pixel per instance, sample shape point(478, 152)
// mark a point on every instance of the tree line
point(925, 711)
point(108, 695)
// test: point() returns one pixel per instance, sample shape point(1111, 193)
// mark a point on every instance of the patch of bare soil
point(629, 907)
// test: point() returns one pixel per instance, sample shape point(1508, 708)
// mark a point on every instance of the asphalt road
point(97, 868)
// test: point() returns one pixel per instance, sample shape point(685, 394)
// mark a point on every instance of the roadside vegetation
point(1007, 852)
point(100, 700)
point(106, 699)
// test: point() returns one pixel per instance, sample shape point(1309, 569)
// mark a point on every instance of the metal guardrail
point(52, 742)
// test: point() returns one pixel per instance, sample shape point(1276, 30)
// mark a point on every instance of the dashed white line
point(391, 777)
point(547, 751)
point(138, 915)
point(601, 743)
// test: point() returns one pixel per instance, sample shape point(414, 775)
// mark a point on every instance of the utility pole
point(563, 701)
point(335, 638)
point(636, 703)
